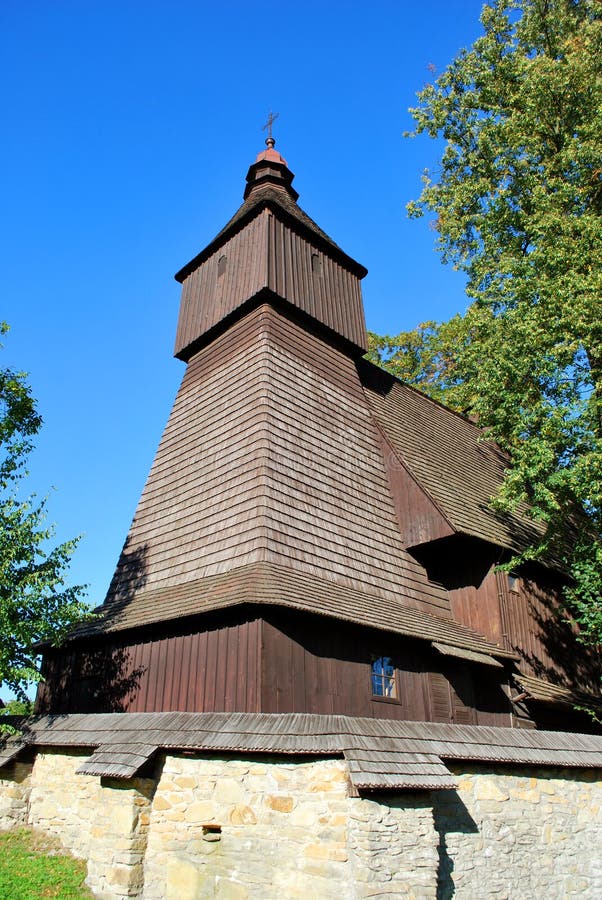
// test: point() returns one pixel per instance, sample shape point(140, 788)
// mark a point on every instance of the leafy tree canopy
point(518, 207)
point(35, 603)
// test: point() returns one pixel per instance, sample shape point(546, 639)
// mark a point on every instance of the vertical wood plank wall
point(527, 620)
point(285, 664)
point(269, 254)
point(202, 671)
point(419, 519)
point(327, 670)
point(314, 282)
point(207, 298)
point(536, 628)
point(478, 606)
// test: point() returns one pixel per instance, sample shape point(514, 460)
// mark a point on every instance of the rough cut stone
point(241, 830)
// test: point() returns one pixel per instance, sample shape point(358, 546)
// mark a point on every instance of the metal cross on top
point(271, 119)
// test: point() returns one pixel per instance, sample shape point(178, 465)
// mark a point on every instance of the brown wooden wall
point(527, 620)
point(207, 297)
point(537, 630)
point(283, 663)
point(477, 604)
point(315, 283)
point(314, 666)
point(198, 671)
point(269, 254)
point(419, 519)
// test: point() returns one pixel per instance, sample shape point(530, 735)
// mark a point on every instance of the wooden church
point(314, 535)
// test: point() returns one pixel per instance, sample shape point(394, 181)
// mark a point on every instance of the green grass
point(33, 867)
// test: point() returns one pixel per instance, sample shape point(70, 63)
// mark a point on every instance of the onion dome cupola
point(271, 250)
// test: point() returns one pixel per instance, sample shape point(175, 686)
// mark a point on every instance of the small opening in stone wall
point(212, 832)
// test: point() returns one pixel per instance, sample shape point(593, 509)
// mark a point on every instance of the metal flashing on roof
point(470, 655)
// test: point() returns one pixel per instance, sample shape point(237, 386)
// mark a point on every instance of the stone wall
point(275, 828)
point(520, 833)
point(393, 847)
point(283, 830)
point(102, 820)
point(15, 786)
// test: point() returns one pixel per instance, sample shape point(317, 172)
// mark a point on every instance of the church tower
point(276, 561)
point(270, 457)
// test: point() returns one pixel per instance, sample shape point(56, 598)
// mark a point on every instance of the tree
point(427, 357)
point(518, 206)
point(35, 603)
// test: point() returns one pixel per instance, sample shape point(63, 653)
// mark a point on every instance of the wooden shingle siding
point(274, 442)
point(208, 469)
point(265, 584)
point(329, 508)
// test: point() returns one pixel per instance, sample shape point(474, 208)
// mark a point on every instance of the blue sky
point(128, 130)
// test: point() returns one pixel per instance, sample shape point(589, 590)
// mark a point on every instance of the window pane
point(384, 683)
point(377, 686)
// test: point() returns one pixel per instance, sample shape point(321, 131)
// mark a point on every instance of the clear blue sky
point(128, 130)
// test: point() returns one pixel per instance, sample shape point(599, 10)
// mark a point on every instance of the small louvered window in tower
point(384, 678)
point(221, 266)
point(513, 583)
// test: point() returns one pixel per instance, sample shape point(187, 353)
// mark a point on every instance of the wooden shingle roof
point(266, 584)
point(10, 747)
point(446, 454)
point(545, 691)
point(270, 455)
point(381, 754)
point(269, 487)
point(276, 198)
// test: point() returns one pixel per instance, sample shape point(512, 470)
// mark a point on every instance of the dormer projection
point(271, 250)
